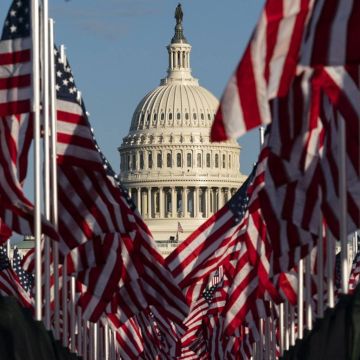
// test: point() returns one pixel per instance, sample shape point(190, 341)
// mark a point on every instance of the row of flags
point(222, 291)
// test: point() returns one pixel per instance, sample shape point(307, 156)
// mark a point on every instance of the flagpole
point(8, 248)
point(354, 244)
point(300, 299)
point(330, 267)
point(308, 292)
point(106, 341)
point(281, 326)
point(45, 112)
point(37, 159)
point(54, 196)
point(343, 206)
point(320, 272)
point(72, 313)
point(261, 135)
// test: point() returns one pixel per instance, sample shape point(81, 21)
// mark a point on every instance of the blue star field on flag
point(4, 260)
point(17, 22)
point(238, 204)
point(208, 293)
point(26, 279)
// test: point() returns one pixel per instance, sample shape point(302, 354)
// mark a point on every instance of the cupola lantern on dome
point(172, 171)
point(179, 54)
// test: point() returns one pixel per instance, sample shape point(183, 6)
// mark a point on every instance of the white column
point(185, 201)
point(161, 202)
point(149, 203)
point(173, 202)
point(196, 202)
point(221, 198)
point(207, 202)
point(175, 59)
point(138, 199)
point(216, 200)
point(144, 203)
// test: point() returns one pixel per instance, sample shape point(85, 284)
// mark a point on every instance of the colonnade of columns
point(179, 58)
point(180, 202)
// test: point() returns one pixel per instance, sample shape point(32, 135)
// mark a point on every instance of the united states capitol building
point(175, 175)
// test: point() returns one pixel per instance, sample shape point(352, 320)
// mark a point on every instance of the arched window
point(208, 160)
point(168, 160)
point(230, 161)
point(178, 116)
point(150, 160)
point(194, 116)
point(216, 160)
point(198, 160)
point(162, 116)
point(186, 116)
point(188, 160)
point(134, 162)
point(128, 162)
point(170, 116)
point(159, 160)
point(178, 160)
point(209, 118)
point(141, 160)
point(202, 116)
point(224, 161)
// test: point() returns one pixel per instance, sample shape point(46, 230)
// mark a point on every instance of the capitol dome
point(175, 175)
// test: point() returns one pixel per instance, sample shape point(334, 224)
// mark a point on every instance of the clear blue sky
point(117, 50)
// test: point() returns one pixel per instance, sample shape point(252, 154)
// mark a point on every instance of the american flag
point(26, 279)
point(210, 303)
point(341, 87)
point(15, 61)
point(204, 250)
point(15, 102)
point(98, 221)
point(265, 70)
point(330, 38)
point(16, 119)
point(180, 228)
point(9, 282)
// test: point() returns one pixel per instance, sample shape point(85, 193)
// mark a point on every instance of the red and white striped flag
point(331, 35)
point(208, 246)
point(16, 128)
point(10, 284)
point(265, 70)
